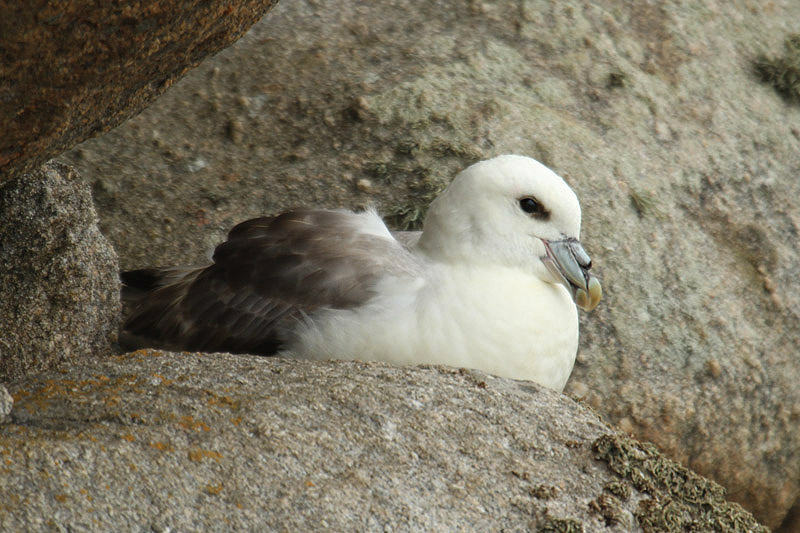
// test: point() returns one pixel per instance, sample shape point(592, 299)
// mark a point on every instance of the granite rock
point(59, 286)
point(155, 441)
point(72, 69)
point(6, 403)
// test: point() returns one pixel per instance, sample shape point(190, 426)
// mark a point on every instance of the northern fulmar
point(491, 283)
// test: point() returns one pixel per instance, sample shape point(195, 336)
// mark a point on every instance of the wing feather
point(270, 273)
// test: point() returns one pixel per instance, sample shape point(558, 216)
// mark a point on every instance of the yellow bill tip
point(589, 298)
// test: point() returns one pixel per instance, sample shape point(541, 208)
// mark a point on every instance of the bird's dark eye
point(532, 206)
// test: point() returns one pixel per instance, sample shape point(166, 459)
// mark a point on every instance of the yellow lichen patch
point(214, 489)
point(128, 437)
point(92, 382)
point(187, 422)
point(61, 498)
point(142, 352)
point(40, 399)
point(162, 446)
point(111, 401)
point(236, 421)
point(197, 455)
point(19, 395)
point(164, 381)
point(223, 401)
point(59, 390)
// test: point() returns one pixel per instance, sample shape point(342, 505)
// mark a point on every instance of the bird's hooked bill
point(569, 263)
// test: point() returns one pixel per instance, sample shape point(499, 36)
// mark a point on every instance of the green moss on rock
point(644, 202)
point(619, 489)
point(610, 509)
point(677, 498)
point(544, 492)
point(783, 73)
point(561, 525)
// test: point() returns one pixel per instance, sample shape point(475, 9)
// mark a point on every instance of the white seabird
point(488, 284)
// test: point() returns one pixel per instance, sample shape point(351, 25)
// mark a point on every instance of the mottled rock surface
point(685, 162)
point(155, 441)
point(6, 403)
point(59, 286)
point(69, 70)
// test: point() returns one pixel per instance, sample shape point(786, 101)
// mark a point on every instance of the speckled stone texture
point(686, 165)
point(155, 441)
point(59, 286)
point(72, 69)
point(6, 403)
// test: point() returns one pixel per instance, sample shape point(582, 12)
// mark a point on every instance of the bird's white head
point(516, 212)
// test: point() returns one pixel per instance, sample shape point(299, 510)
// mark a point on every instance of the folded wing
point(270, 274)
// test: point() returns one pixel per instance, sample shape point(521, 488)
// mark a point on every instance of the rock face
point(6, 403)
point(58, 274)
point(685, 162)
point(72, 69)
point(162, 441)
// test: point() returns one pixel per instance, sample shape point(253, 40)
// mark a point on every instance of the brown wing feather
point(269, 274)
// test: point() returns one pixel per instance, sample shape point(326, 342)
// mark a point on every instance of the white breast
point(499, 320)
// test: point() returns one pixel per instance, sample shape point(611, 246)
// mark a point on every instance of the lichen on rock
point(783, 72)
point(676, 499)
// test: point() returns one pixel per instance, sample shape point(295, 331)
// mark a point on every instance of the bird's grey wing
point(270, 273)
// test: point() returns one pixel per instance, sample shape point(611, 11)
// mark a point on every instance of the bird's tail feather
point(145, 307)
point(138, 283)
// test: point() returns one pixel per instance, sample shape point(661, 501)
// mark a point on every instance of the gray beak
point(570, 264)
